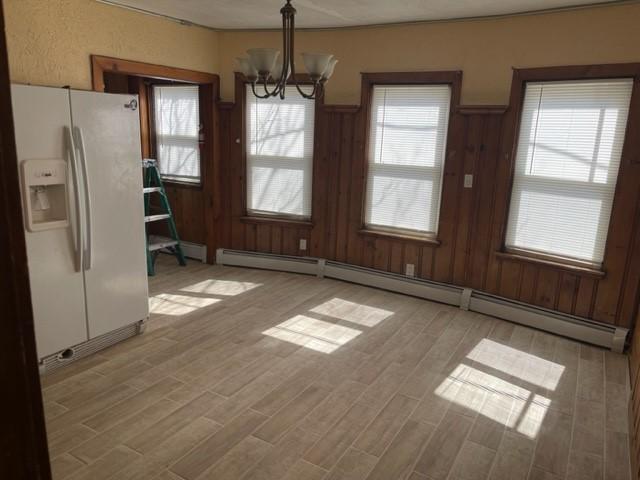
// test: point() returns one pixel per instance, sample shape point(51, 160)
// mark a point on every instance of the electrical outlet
point(410, 270)
point(303, 244)
point(468, 180)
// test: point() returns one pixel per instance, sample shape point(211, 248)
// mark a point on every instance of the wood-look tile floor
point(248, 374)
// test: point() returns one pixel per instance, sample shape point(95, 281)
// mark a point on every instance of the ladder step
point(159, 246)
point(152, 182)
point(155, 218)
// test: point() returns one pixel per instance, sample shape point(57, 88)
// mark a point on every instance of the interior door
point(42, 120)
point(107, 130)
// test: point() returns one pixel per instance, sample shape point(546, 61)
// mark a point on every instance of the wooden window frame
point(281, 219)
point(453, 78)
point(511, 129)
point(153, 139)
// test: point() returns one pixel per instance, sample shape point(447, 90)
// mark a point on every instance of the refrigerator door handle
point(88, 211)
point(78, 254)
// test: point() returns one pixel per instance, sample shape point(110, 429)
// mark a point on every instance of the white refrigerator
point(80, 165)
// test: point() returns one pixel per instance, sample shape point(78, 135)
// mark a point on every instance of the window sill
point(285, 222)
point(400, 236)
point(575, 269)
point(178, 184)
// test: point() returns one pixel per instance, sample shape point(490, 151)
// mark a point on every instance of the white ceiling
point(256, 14)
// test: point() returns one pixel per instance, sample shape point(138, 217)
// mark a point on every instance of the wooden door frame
point(23, 440)
point(210, 173)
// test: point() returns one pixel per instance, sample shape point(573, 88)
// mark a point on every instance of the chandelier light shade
point(270, 69)
point(263, 59)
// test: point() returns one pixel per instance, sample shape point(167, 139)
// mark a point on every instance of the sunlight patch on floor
point(221, 287)
point(497, 399)
point(530, 368)
point(312, 333)
point(530, 422)
point(170, 304)
point(352, 312)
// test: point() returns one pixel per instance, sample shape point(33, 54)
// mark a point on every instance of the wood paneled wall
point(472, 219)
point(187, 204)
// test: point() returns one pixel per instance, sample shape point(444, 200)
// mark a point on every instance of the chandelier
point(266, 68)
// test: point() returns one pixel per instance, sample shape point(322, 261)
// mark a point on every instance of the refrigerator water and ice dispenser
point(45, 190)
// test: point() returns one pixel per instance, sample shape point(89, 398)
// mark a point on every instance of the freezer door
point(42, 128)
point(107, 131)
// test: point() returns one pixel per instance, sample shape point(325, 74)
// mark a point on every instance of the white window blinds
point(568, 154)
point(407, 143)
point(279, 154)
point(177, 123)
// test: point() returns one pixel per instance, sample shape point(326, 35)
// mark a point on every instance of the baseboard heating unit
point(578, 328)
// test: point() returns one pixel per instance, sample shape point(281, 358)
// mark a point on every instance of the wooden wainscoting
point(471, 223)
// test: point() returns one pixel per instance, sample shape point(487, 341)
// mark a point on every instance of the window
point(566, 166)
point(177, 126)
point(279, 154)
point(407, 143)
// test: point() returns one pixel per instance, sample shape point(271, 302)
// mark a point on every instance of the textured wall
point(485, 50)
point(50, 41)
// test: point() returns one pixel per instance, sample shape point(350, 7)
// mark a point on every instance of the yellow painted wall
point(50, 41)
point(485, 50)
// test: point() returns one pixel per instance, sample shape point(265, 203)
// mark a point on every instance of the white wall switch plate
point(303, 244)
point(410, 270)
point(468, 180)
